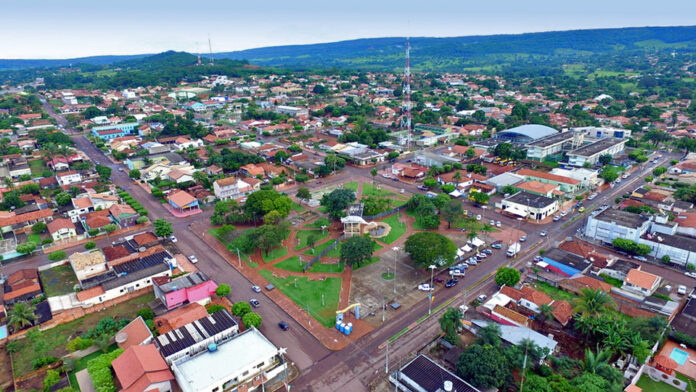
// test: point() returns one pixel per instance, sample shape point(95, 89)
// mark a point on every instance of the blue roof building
point(108, 132)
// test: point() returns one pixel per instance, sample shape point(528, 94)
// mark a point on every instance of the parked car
point(423, 187)
point(173, 239)
point(625, 176)
point(556, 218)
point(581, 209)
point(681, 290)
point(386, 175)
point(498, 224)
point(283, 325)
point(492, 222)
point(543, 233)
point(426, 287)
point(478, 217)
point(487, 251)
point(254, 302)
point(523, 238)
point(640, 258)
point(538, 258)
point(563, 213)
point(457, 273)
point(482, 297)
point(690, 274)
point(452, 282)
point(470, 214)
point(193, 259)
point(496, 246)
point(472, 261)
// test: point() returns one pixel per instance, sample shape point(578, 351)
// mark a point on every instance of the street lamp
point(239, 258)
point(395, 249)
point(430, 295)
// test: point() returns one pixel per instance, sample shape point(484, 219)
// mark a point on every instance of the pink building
point(195, 287)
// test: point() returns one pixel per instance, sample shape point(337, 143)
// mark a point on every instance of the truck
point(513, 250)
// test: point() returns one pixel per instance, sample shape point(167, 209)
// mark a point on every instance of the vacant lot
point(308, 295)
point(58, 280)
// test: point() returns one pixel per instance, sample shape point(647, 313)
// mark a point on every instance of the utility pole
point(430, 293)
point(395, 249)
point(239, 258)
point(386, 360)
point(210, 47)
point(407, 93)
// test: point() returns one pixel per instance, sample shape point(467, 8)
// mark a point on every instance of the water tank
point(121, 337)
point(448, 386)
point(212, 347)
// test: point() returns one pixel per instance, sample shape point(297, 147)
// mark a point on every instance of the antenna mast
point(210, 47)
point(199, 53)
point(407, 93)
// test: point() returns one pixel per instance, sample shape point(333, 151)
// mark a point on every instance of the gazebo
point(665, 364)
point(352, 222)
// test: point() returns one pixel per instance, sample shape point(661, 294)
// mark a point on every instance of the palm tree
point(471, 235)
point(545, 312)
point(593, 303)
point(596, 363)
point(457, 176)
point(490, 334)
point(21, 315)
point(449, 323)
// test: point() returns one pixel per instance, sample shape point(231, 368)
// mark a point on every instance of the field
point(307, 294)
point(58, 280)
point(290, 264)
point(397, 229)
point(554, 293)
point(275, 253)
point(53, 341)
point(37, 167)
point(302, 236)
point(371, 190)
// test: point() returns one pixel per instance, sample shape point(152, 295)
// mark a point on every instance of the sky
point(77, 28)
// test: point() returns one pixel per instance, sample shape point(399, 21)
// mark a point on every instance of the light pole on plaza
point(430, 295)
point(395, 249)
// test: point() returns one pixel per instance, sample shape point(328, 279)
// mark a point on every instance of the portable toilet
point(349, 328)
point(343, 328)
point(338, 325)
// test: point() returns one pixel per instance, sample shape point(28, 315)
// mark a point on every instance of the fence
point(385, 213)
point(323, 252)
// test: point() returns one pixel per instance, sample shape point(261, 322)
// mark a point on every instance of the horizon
point(83, 29)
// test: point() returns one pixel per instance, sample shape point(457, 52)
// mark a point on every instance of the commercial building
point(247, 362)
point(553, 145)
point(194, 287)
point(291, 110)
point(588, 178)
point(591, 152)
point(423, 374)
point(566, 184)
point(529, 206)
point(109, 132)
point(564, 263)
point(681, 249)
point(539, 188)
point(503, 180)
point(525, 134)
point(602, 132)
point(610, 224)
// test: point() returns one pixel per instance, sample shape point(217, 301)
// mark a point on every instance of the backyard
point(58, 280)
point(648, 385)
point(308, 294)
point(81, 363)
point(51, 342)
point(37, 167)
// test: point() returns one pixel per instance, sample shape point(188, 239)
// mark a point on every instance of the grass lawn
point(353, 186)
point(371, 190)
point(53, 341)
point(58, 280)
point(319, 248)
point(35, 238)
point(275, 253)
point(308, 293)
point(318, 223)
point(611, 281)
point(297, 207)
point(302, 235)
point(689, 381)
point(397, 229)
point(81, 363)
point(290, 264)
point(554, 292)
point(648, 385)
point(37, 167)
point(327, 268)
point(416, 225)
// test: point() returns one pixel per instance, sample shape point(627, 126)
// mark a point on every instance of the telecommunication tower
point(210, 47)
point(407, 93)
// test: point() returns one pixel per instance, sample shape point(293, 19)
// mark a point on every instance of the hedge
point(99, 370)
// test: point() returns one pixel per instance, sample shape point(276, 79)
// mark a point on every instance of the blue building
point(564, 263)
point(108, 132)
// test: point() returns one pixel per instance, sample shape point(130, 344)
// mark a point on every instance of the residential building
point(69, 177)
point(182, 201)
point(124, 215)
point(88, 264)
point(136, 333)
point(529, 206)
point(247, 362)
point(196, 336)
point(194, 287)
point(81, 206)
point(517, 335)
point(610, 224)
point(141, 368)
point(21, 285)
point(590, 153)
point(235, 188)
point(641, 282)
point(61, 229)
point(23, 217)
point(422, 374)
point(179, 317)
point(566, 184)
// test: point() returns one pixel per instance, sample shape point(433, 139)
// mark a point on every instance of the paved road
point(303, 348)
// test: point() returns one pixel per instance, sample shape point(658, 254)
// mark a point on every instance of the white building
point(246, 362)
point(69, 177)
point(591, 152)
point(530, 206)
point(610, 224)
point(588, 178)
point(602, 132)
point(291, 110)
point(551, 145)
point(234, 188)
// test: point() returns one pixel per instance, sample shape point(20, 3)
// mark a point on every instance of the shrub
point(79, 343)
point(57, 255)
point(40, 362)
point(90, 245)
point(146, 313)
point(47, 241)
point(93, 232)
point(239, 309)
point(106, 325)
point(99, 370)
point(212, 308)
point(52, 378)
point(141, 220)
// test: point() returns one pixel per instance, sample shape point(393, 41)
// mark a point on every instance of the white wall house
point(69, 177)
point(232, 188)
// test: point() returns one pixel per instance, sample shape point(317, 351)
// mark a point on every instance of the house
point(196, 336)
point(115, 252)
point(21, 285)
point(641, 282)
point(252, 170)
point(146, 239)
point(179, 317)
point(142, 368)
point(96, 219)
point(81, 206)
point(69, 177)
point(184, 143)
point(235, 188)
point(23, 217)
point(539, 188)
point(195, 287)
point(517, 335)
point(182, 201)
point(422, 374)
point(58, 163)
point(123, 214)
point(533, 299)
point(619, 269)
point(61, 229)
point(529, 206)
point(610, 224)
point(179, 176)
point(136, 333)
point(87, 264)
point(102, 201)
point(233, 365)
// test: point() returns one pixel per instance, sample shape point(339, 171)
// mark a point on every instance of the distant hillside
point(94, 60)
point(449, 54)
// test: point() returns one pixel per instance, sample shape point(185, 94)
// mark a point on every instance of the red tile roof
point(90, 293)
point(115, 252)
point(537, 297)
point(641, 279)
point(512, 292)
point(181, 198)
point(547, 176)
point(139, 367)
point(60, 223)
point(136, 333)
point(143, 239)
point(13, 219)
point(562, 311)
point(180, 317)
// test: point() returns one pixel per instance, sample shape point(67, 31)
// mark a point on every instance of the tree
point(239, 309)
point(337, 201)
point(104, 172)
point(63, 198)
point(479, 197)
point(631, 246)
point(21, 315)
point(545, 312)
point(449, 323)
point(470, 153)
point(162, 228)
point(666, 259)
point(605, 159)
point(110, 228)
point(451, 211)
point(52, 378)
point(609, 173)
point(430, 183)
point(303, 194)
point(427, 247)
point(658, 171)
point(507, 277)
point(356, 250)
point(270, 236)
point(311, 240)
point(484, 366)
point(251, 319)
point(38, 227)
point(57, 255)
point(509, 190)
point(135, 174)
point(373, 172)
point(592, 303)
point(26, 248)
point(222, 290)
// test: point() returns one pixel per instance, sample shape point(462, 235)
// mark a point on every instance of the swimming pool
point(679, 355)
point(3, 331)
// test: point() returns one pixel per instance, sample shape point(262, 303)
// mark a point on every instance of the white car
point(426, 287)
point(478, 217)
point(456, 273)
point(681, 290)
point(556, 218)
point(482, 297)
point(498, 224)
point(173, 239)
point(564, 213)
point(256, 289)
point(543, 233)
point(690, 274)
point(193, 259)
point(386, 175)
point(625, 176)
point(523, 238)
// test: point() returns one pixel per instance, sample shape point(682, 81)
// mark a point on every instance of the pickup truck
point(513, 250)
